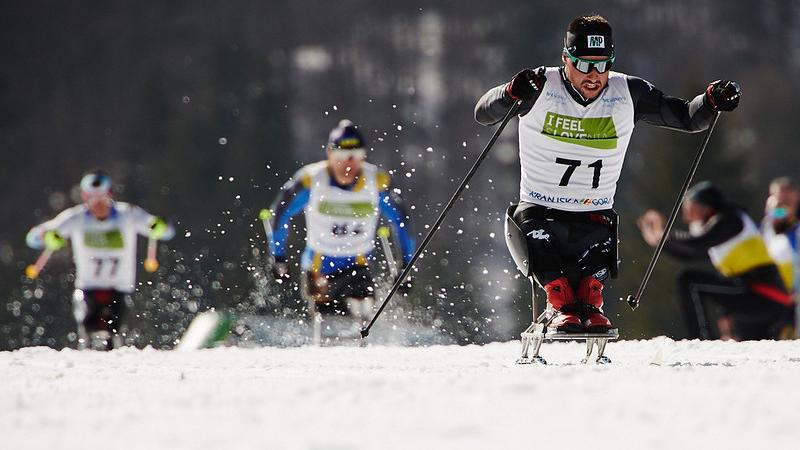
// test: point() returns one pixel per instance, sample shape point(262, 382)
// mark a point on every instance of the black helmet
point(589, 36)
point(707, 194)
point(346, 137)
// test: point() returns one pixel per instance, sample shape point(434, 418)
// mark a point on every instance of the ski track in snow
point(702, 395)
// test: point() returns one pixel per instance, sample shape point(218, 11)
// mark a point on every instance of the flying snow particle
point(222, 141)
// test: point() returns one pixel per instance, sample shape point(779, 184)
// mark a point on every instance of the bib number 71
point(573, 164)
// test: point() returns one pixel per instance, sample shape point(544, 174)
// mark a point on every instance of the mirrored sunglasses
point(345, 154)
point(586, 65)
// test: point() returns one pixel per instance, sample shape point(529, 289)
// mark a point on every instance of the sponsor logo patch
point(355, 209)
point(570, 200)
point(111, 239)
point(596, 41)
point(593, 132)
point(538, 234)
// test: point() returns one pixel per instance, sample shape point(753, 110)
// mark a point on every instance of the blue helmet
point(346, 137)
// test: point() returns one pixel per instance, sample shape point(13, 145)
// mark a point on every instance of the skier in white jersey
point(574, 128)
point(103, 236)
point(342, 198)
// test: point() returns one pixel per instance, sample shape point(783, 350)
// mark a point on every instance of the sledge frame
point(537, 333)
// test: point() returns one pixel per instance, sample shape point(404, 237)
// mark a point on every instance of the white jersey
point(571, 155)
point(104, 250)
point(341, 222)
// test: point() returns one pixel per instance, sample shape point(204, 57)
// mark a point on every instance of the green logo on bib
point(355, 209)
point(103, 239)
point(593, 132)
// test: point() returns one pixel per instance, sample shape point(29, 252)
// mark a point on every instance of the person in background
point(747, 288)
point(781, 231)
point(103, 236)
point(342, 198)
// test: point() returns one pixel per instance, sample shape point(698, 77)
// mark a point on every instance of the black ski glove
point(280, 270)
point(526, 84)
point(723, 95)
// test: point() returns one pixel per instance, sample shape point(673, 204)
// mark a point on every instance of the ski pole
point(383, 234)
point(265, 215)
point(32, 271)
point(511, 112)
point(151, 262)
point(633, 300)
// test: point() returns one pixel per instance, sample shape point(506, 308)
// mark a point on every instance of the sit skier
point(747, 288)
point(342, 198)
point(103, 236)
point(575, 125)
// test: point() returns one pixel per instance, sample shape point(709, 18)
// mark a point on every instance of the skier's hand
point(280, 271)
point(53, 241)
point(526, 84)
point(723, 95)
point(158, 228)
point(652, 225)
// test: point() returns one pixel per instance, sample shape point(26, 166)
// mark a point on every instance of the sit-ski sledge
point(538, 332)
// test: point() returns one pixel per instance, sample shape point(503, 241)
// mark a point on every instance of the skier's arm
point(62, 224)
point(525, 86)
point(151, 226)
point(292, 199)
point(391, 207)
point(655, 108)
point(721, 228)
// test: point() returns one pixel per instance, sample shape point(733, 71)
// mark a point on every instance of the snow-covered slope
point(700, 395)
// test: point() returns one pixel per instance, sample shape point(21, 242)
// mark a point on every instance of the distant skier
point(342, 198)
point(781, 229)
point(575, 125)
point(103, 236)
point(747, 288)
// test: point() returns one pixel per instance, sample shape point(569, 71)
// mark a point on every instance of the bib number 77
point(573, 164)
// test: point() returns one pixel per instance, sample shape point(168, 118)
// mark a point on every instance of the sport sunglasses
point(586, 65)
point(345, 154)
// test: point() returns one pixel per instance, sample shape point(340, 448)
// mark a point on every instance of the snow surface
point(658, 394)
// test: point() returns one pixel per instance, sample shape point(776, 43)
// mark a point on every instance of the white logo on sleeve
point(596, 41)
point(539, 234)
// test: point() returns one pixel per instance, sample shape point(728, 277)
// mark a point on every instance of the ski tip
point(364, 333)
point(265, 214)
point(633, 302)
point(383, 232)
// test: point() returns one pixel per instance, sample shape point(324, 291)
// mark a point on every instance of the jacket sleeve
point(494, 104)
point(655, 108)
point(722, 227)
point(63, 224)
point(392, 208)
point(142, 221)
point(291, 200)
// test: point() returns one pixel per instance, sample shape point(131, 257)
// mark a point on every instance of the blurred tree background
point(201, 110)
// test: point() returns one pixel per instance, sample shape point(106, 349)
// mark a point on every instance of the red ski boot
point(561, 296)
point(590, 290)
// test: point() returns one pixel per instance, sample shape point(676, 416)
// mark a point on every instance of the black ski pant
point(331, 292)
point(565, 243)
point(753, 316)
